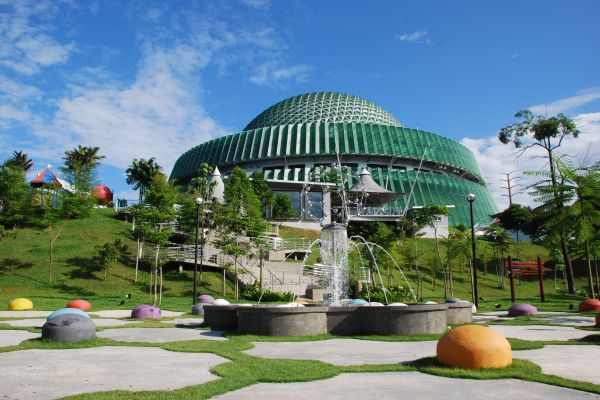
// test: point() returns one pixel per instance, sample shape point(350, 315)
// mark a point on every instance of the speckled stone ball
point(69, 328)
point(80, 304)
point(520, 309)
point(205, 298)
point(20, 304)
point(474, 347)
point(590, 305)
point(146, 311)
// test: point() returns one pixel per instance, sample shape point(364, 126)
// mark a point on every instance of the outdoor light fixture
point(199, 202)
point(471, 200)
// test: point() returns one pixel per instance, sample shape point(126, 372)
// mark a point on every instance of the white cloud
point(496, 159)
point(256, 3)
point(271, 74)
point(566, 104)
point(415, 37)
point(25, 45)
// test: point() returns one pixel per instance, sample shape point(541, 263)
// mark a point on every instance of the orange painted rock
point(80, 304)
point(473, 346)
point(589, 305)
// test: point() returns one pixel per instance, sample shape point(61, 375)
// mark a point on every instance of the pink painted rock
point(521, 309)
point(146, 311)
point(205, 298)
point(589, 305)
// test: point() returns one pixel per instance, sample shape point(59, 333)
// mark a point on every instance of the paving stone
point(159, 335)
point(14, 337)
point(574, 362)
point(50, 374)
point(540, 332)
point(24, 314)
point(191, 322)
point(346, 351)
point(568, 320)
point(127, 313)
point(480, 319)
point(405, 385)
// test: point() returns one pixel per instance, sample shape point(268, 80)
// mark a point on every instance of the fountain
point(335, 315)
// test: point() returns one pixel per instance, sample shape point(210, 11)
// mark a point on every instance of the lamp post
point(471, 199)
point(199, 202)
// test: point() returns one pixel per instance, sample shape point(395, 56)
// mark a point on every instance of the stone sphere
point(598, 320)
point(198, 309)
point(474, 346)
point(146, 311)
point(20, 304)
point(398, 305)
point(357, 302)
point(63, 311)
point(473, 309)
point(79, 303)
point(373, 304)
point(521, 309)
point(590, 305)
point(220, 302)
point(430, 302)
point(205, 298)
point(69, 328)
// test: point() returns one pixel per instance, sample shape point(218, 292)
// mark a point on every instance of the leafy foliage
point(15, 196)
point(282, 208)
point(141, 173)
point(254, 292)
point(80, 167)
point(394, 294)
point(109, 253)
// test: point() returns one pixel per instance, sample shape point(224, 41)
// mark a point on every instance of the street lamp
point(199, 202)
point(471, 199)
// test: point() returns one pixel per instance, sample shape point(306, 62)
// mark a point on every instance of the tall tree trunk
point(590, 276)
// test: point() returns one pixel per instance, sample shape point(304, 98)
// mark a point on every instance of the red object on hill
point(80, 304)
point(589, 305)
point(103, 193)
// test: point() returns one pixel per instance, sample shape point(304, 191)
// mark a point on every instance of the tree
point(15, 197)
point(109, 253)
point(580, 189)
point(141, 173)
point(283, 208)
point(263, 192)
point(158, 209)
point(80, 167)
point(21, 161)
point(500, 241)
point(228, 244)
point(547, 133)
point(515, 218)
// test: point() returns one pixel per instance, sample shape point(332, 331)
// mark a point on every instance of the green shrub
point(394, 294)
point(254, 292)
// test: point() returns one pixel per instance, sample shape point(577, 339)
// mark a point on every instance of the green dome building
point(292, 139)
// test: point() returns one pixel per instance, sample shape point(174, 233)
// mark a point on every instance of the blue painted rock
point(357, 302)
point(521, 309)
point(63, 311)
point(205, 298)
point(146, 311)
point(69, 328)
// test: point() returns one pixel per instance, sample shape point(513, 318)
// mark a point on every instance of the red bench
point(524, 268)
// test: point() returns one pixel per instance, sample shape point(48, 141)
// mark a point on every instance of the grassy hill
point(24, 259)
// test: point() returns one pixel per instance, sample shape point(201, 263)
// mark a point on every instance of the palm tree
point(80, 164)
point(579, 187)
point(141, 173)
point(20, 160)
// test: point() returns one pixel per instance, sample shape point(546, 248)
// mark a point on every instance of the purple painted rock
point(146, 311)
point(521, 309)
point(206, 299)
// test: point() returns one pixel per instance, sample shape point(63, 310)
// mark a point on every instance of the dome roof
point(324, 107)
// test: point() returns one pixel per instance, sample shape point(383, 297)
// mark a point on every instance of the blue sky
point(143, 79)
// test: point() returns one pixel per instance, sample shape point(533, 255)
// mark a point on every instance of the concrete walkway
point(405, 385)
point(581, 363)
point(158, 335)
point(50, 374)
point(576, 320)
point(14, 337)
point(346, 351)
point(541, 332)
point(127, 313)
point(188, 322)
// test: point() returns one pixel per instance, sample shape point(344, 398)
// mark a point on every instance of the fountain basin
point(459, 313)
point(307, 321)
